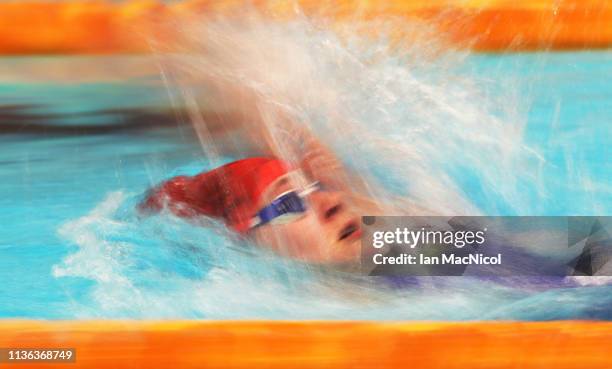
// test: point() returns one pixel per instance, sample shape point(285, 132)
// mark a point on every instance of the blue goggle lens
point(285, 208)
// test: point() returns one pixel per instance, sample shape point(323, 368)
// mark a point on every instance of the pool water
point(77, 154)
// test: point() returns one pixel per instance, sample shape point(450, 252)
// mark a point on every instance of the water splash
point(163, 267)
point(403, 114)
point(393, 103)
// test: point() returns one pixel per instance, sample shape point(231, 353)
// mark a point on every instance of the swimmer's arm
point(253, 126)
point(296, 143)
point(246, 123)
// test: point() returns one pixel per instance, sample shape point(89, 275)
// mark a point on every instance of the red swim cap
point(231, 192)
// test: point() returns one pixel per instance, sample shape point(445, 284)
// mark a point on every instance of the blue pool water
point(75, 155)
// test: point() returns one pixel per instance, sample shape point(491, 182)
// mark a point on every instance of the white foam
point(409, 109)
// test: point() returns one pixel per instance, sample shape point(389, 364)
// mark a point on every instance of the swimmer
point(272, 204)
point(308, 209)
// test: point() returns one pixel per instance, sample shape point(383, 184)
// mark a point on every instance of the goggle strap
point(255, 221)
point(310, 189)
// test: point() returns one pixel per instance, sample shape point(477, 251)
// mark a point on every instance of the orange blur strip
point(192, 344)
point(39, 27)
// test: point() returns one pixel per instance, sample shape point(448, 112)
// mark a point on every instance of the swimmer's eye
point(286, 207)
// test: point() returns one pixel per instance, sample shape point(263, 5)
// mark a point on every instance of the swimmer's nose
point(327, 205)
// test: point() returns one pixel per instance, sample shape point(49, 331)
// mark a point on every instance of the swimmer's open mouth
point(351, 230)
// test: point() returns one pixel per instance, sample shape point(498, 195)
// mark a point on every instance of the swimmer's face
point(328, 232)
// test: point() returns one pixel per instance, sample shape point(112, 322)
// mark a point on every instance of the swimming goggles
point(285, 208)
